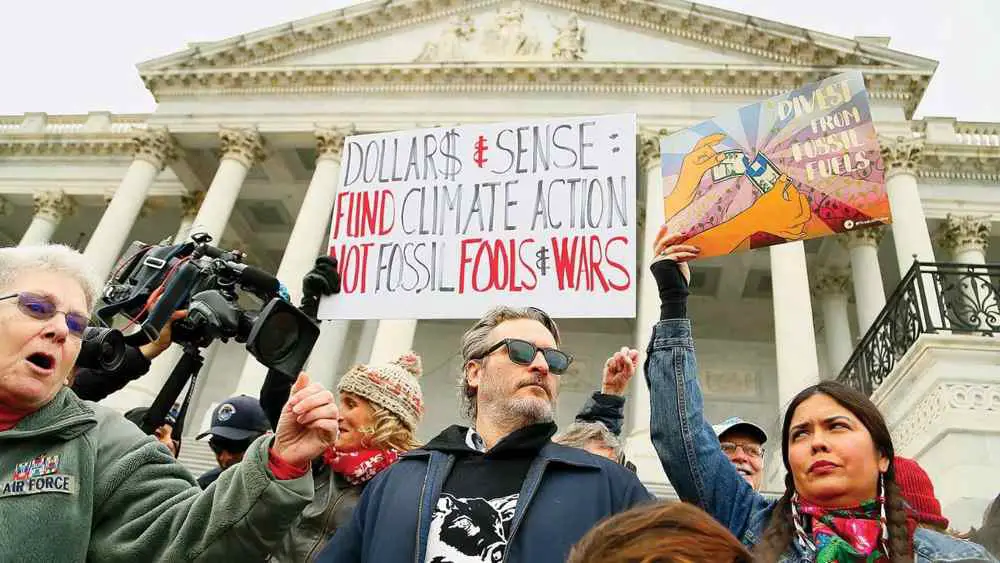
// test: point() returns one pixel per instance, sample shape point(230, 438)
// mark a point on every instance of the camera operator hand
point(157, 347)
point(308, 423)
point(323, 279)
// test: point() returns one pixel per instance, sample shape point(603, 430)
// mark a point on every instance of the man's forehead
point(525, 329)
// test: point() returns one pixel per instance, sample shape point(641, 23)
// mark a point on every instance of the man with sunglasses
point(500, 490)
point(79, 482)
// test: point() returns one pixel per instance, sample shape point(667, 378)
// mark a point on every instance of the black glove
point(672, 287)
point(323, 279)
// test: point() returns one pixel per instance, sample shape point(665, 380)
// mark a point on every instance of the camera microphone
point(259, 280)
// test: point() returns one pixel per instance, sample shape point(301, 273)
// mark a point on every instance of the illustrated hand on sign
point(783, 211)
point(618, 370)
point(700, 160)
point(308, 423)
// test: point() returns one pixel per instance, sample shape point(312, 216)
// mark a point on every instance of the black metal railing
point(933, 297)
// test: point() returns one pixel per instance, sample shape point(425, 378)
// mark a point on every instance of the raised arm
point(684, 441)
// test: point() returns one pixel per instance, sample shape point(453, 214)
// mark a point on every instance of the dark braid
point(780, 532)
point(899, 541)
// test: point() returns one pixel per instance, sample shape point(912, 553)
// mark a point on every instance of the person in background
point(380, 408)
point(743, 444)
point(663, 532)
point(236, 423)
point(989, 534)
point(841, 501)
point(593, 437)
point(78, 482)
point(918, 492)
point(163, 434)
point(500, 490)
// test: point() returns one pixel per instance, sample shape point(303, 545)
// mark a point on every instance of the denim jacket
point(702, 475)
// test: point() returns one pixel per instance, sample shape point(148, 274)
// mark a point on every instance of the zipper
point(449, 461)
point(531, 494)
point(327, 515)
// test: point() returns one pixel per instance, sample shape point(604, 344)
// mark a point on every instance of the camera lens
point(279, 335)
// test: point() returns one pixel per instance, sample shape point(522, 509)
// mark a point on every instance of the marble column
point(190, 204)
point(911, 236)
point(153, 149)
point(393, 338)
point(869, 292)
point(241, 148)
point(304, 245)
point(50, 209)
point(794, 336)
point(365, 341)
point(966, 238)
point(638, 445)
point(831, 289)
point(975, 305)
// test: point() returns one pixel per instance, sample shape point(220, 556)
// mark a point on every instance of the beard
point(512, 411)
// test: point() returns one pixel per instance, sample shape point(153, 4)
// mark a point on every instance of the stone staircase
point(196, 455)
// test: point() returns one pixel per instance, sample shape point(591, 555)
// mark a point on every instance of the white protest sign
point(447, 222)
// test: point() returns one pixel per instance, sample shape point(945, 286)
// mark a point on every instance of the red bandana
point(359, 466)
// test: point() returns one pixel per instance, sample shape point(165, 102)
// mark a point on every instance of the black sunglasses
point(42, 308)
point(523, 353)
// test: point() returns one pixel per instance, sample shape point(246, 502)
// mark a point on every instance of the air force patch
point(39, 475)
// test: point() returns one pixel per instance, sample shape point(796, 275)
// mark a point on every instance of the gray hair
point(580, 434)
point(475, 343)
point(55, 258)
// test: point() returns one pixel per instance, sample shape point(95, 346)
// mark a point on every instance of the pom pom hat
point(393, 386)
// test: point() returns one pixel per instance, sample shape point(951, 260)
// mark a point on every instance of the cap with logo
point(740, 424)
point(238, 418)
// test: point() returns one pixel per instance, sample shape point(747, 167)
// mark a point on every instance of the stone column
point(794, 336)
point(240, 150)
point(909, 225)
point(966, 238)
point(304, 245)
point(392, 339)
point(869, 292)
point(50, 209)
point(975, 305)
point(365, 341)
point(831, 288)
point(638, 444)
point(190, 204)
point(328, 352)
point(154, 149)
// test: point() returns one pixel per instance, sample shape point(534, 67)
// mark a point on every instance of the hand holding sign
point(782, 211)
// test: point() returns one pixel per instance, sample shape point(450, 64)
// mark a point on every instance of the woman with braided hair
point(841, 502)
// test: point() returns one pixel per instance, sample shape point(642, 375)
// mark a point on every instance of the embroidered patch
point(66, 484)
point(226, 412)
point(38, 467)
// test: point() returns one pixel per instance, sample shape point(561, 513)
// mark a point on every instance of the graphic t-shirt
point(472, 520)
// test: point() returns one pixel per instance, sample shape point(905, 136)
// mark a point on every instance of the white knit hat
point(392, 386)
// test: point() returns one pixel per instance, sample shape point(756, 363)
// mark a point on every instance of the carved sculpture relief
point(506, 36)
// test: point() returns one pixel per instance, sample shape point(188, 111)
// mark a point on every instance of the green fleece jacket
point(78, 482)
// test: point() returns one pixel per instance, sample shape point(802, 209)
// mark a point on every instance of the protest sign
point(802, 165)
point(447, 222)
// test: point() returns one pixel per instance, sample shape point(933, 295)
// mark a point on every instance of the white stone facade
point(245, 139)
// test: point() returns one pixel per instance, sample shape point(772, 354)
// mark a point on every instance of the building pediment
point(414, 44)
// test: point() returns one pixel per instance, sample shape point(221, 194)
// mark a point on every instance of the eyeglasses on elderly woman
point(42, 308)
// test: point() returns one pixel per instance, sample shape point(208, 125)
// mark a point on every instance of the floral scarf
point(361, 465)
point(844, 535)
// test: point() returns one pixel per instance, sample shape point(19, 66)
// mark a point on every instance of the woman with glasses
point(79, 482)
point(841, 501)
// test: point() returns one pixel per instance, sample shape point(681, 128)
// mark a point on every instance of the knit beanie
point(918, 492)
point(392, 386)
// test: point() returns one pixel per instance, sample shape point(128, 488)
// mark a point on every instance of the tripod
point(185, 370)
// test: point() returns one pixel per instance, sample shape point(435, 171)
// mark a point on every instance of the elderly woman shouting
point(79, 482)
point(841, 502)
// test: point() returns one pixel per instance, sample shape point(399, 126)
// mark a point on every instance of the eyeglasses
point(42, 308)
point(523, 353)
point(752, 450)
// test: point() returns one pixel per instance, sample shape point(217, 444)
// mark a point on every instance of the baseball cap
point(238, 418)
point(737, 422)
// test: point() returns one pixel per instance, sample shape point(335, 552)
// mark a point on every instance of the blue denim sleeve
point(684, 441)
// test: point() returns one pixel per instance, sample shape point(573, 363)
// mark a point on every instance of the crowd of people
point(338, 476)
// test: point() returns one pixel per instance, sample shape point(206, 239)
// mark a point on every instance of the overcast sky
point(72, 56)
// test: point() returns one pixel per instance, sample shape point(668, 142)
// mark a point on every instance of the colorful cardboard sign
point(798, 166)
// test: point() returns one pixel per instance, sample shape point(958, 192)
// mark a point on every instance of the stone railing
point(94, 122)
point(981, 134)
point(932, 298)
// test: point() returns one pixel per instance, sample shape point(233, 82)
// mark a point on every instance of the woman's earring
point(883, 515)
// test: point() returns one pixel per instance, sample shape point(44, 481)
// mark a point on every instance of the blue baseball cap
point(737, 422)
point(238, 418)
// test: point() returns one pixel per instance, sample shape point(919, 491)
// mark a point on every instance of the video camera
point(152, 282)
